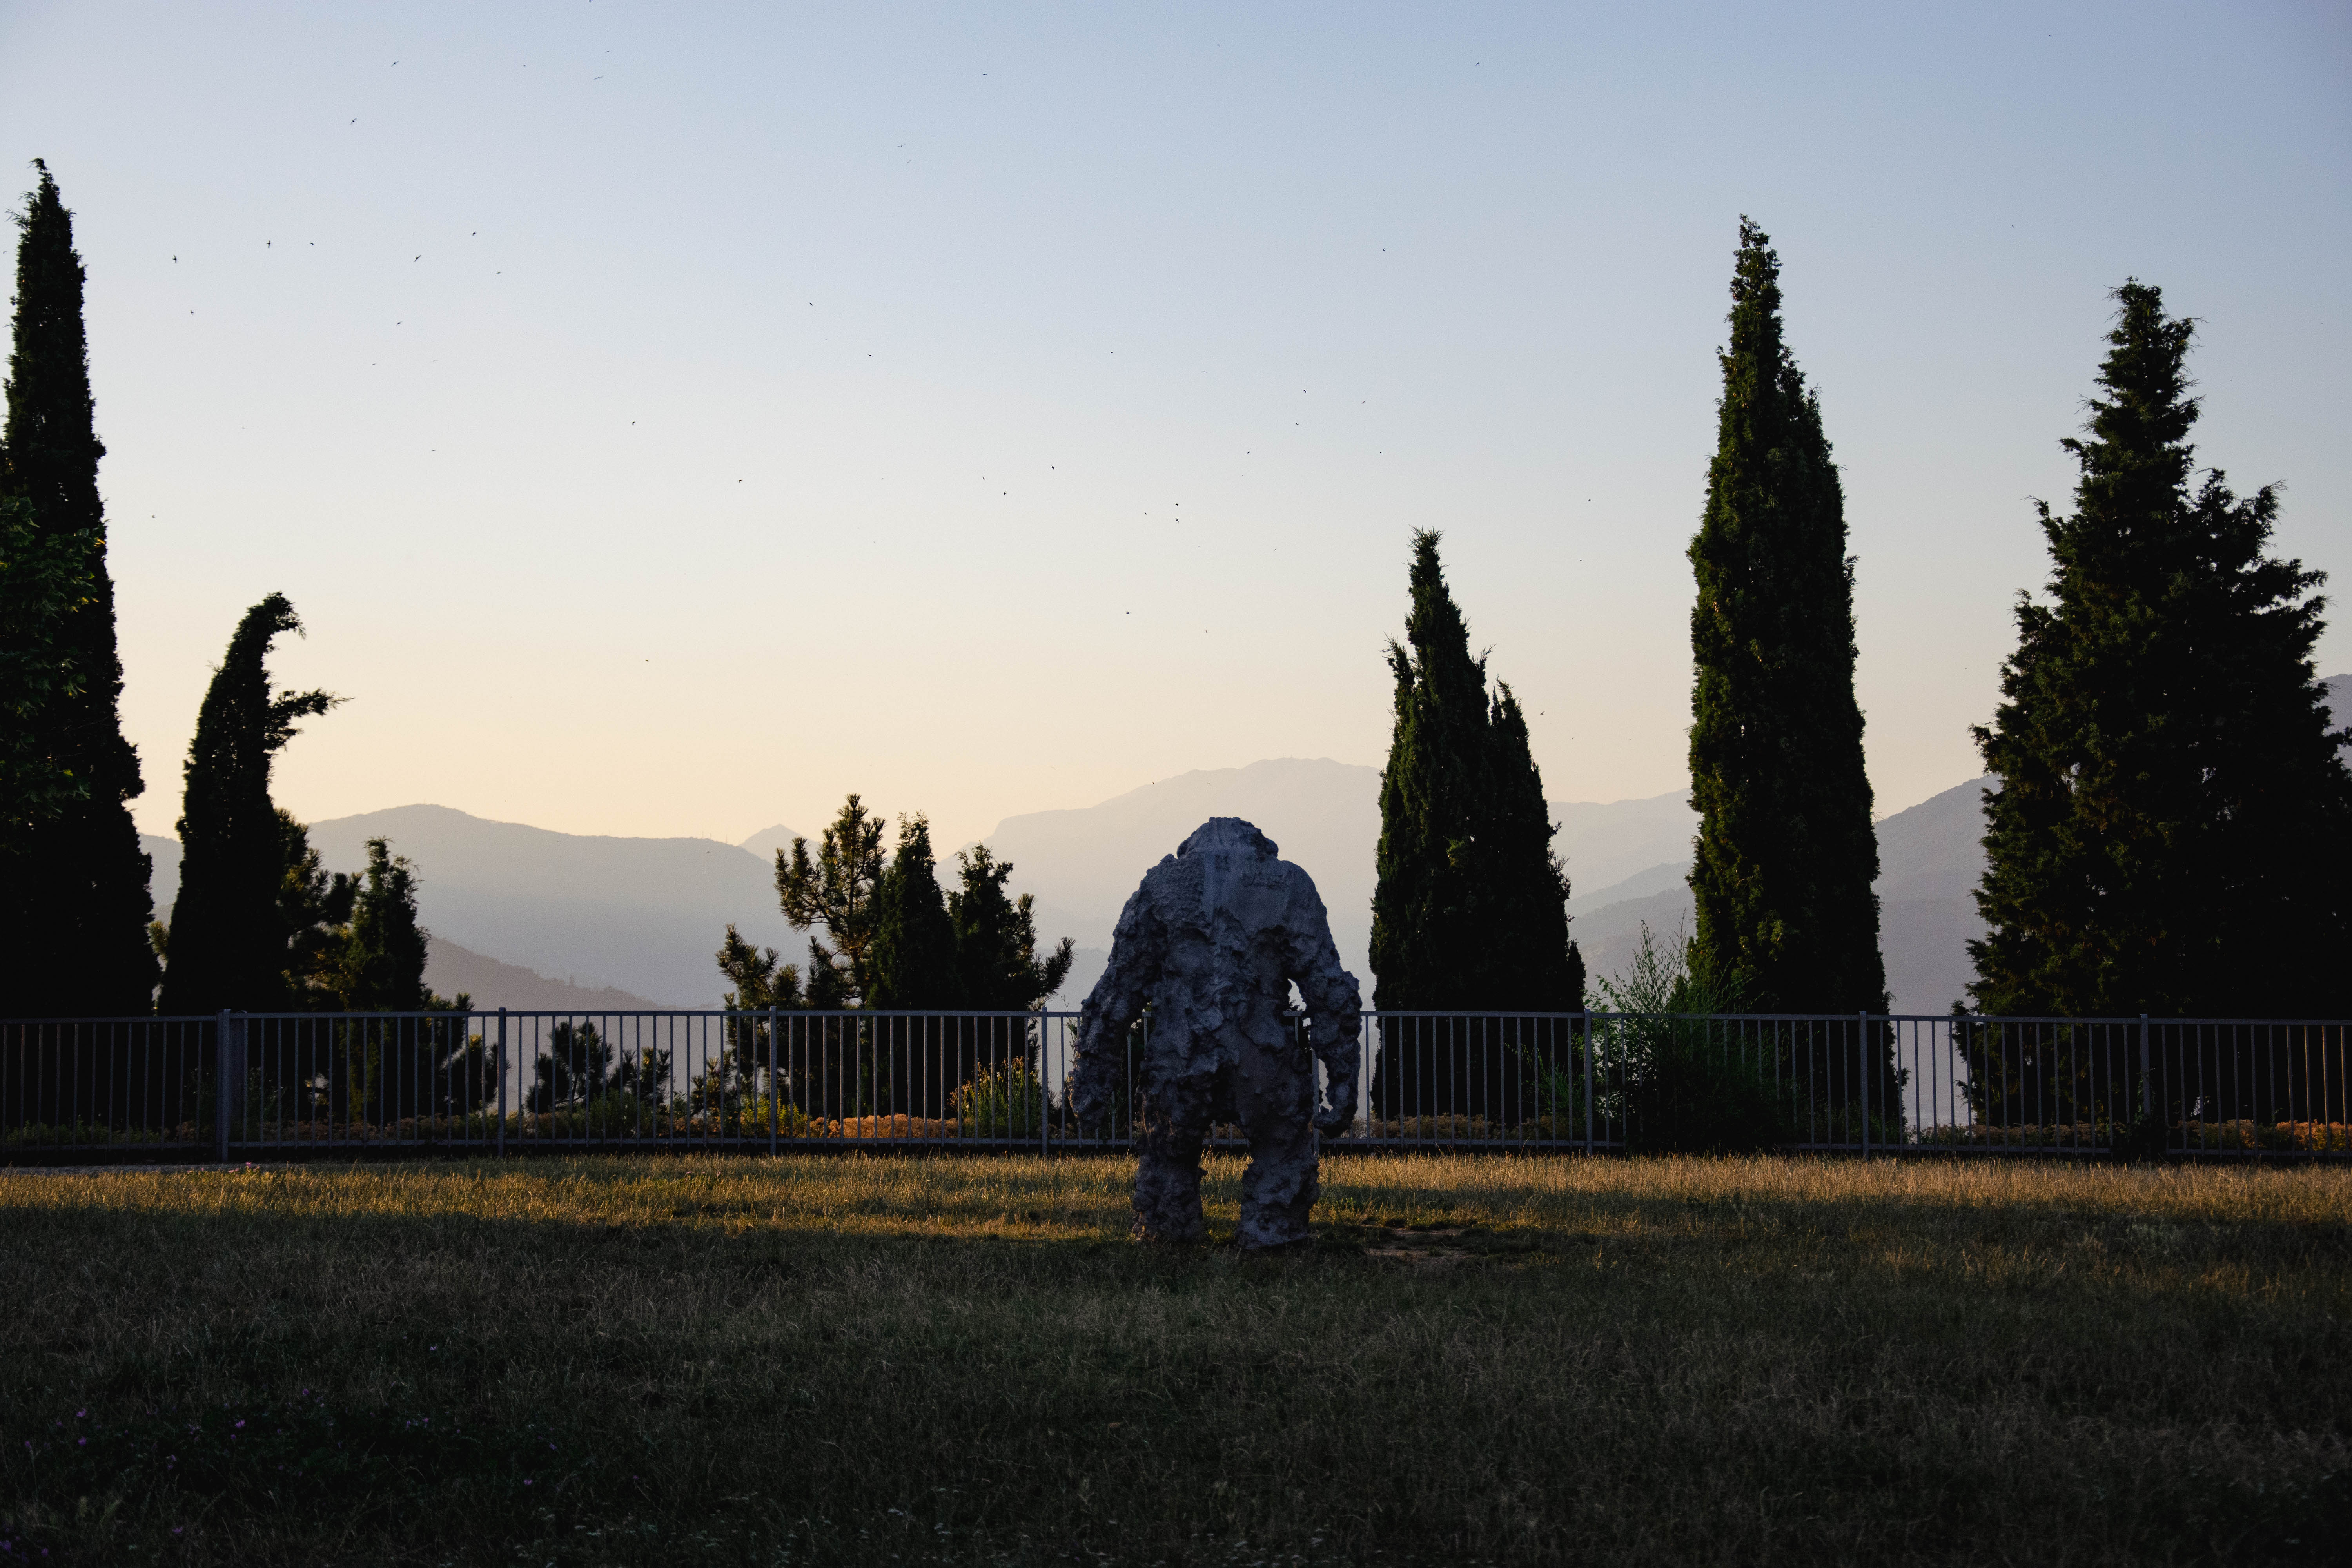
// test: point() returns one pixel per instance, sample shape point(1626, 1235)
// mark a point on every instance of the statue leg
point(1273, 1099)
point(1172, 1127)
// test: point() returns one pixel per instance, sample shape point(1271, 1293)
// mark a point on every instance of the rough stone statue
point(1211, 942)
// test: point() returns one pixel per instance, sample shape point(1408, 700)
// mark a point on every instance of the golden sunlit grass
point(873, 1359)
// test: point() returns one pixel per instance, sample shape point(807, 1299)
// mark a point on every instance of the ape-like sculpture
point(1212, 941)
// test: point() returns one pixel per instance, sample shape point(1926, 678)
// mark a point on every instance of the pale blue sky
point(668, 418)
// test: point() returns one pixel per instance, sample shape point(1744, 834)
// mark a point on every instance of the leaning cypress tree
point(74, 908)
point(2173, 832)
point(1786, 854)
point(229, 934)
point(1470, 907)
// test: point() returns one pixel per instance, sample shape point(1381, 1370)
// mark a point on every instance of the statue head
point(1230, 834)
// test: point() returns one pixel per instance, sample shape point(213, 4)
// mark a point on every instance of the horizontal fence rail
point(235, 1085)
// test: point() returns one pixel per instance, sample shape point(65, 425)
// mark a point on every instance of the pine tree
point(2173, 832)
point(395, 1068)
point(314, 912)
point(1786, 853)
point(996, 938)
point(384, 964)
point(229, 933)
point(913, 965)
point(74, 908)
point(1470, 907)
point(1000, 970)
point(913, 960)
point(835, 889)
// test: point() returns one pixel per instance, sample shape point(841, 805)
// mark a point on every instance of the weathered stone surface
point(1212, 942)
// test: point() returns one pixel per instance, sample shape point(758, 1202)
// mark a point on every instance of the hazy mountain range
point(523, 917)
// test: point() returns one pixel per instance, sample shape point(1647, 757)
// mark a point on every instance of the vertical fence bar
point(502, 1082)
point(220, 1084)
point(1862, 1057)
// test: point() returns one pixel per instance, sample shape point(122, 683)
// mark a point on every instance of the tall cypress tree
point(44, 579)
point(1786, 854)
point(74, 908)
point(229, 934)
point(2173, 833)
point(1470, 907)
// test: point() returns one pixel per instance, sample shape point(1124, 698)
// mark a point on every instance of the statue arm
point(1097, 1071)
point(1334, 1006)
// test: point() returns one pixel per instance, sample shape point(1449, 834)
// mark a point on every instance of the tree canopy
point(1786, 853)
point(2173, 830)
point(230, 932)
point(74, 908)
point(1471, 905)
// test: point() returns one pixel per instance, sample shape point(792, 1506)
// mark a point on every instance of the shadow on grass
point(752, 1363)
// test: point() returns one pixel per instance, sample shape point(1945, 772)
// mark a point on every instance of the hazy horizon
point(669, 422)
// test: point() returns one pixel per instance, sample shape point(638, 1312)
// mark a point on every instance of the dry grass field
point(872, 1359)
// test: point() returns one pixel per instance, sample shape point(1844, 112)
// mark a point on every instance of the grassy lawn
point(898, 1360)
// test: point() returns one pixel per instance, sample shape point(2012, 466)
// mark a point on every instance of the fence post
point(1045, 1117)
point(1866, 1076)
point(775, 1105)
point(2147, 1087)
point(502, 1082)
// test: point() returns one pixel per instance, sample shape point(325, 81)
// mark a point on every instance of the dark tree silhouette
point(2173, 832)
point(1470, 910)
point(1786, 854)
point(74, 908)
point(229, 931)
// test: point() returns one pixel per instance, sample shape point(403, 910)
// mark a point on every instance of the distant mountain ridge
point(511, 905)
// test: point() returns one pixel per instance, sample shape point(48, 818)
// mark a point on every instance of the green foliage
point(835, 890)
point(1006, 1101)
point(756, 980)
point(573, 1068)
point(913, 960)
point(231, 931)
point(383, 965)
point(1786, 854)
point(44, 579)
point(1471, 906)
point(581, 1068)
point(996, 938)
point(1677, 1083)
point(74, 908)
point(314, 911)
point(2173, 832)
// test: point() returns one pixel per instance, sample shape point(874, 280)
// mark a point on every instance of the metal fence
point(238, 1085)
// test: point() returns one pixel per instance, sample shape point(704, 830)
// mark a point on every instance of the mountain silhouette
point(511, 905)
